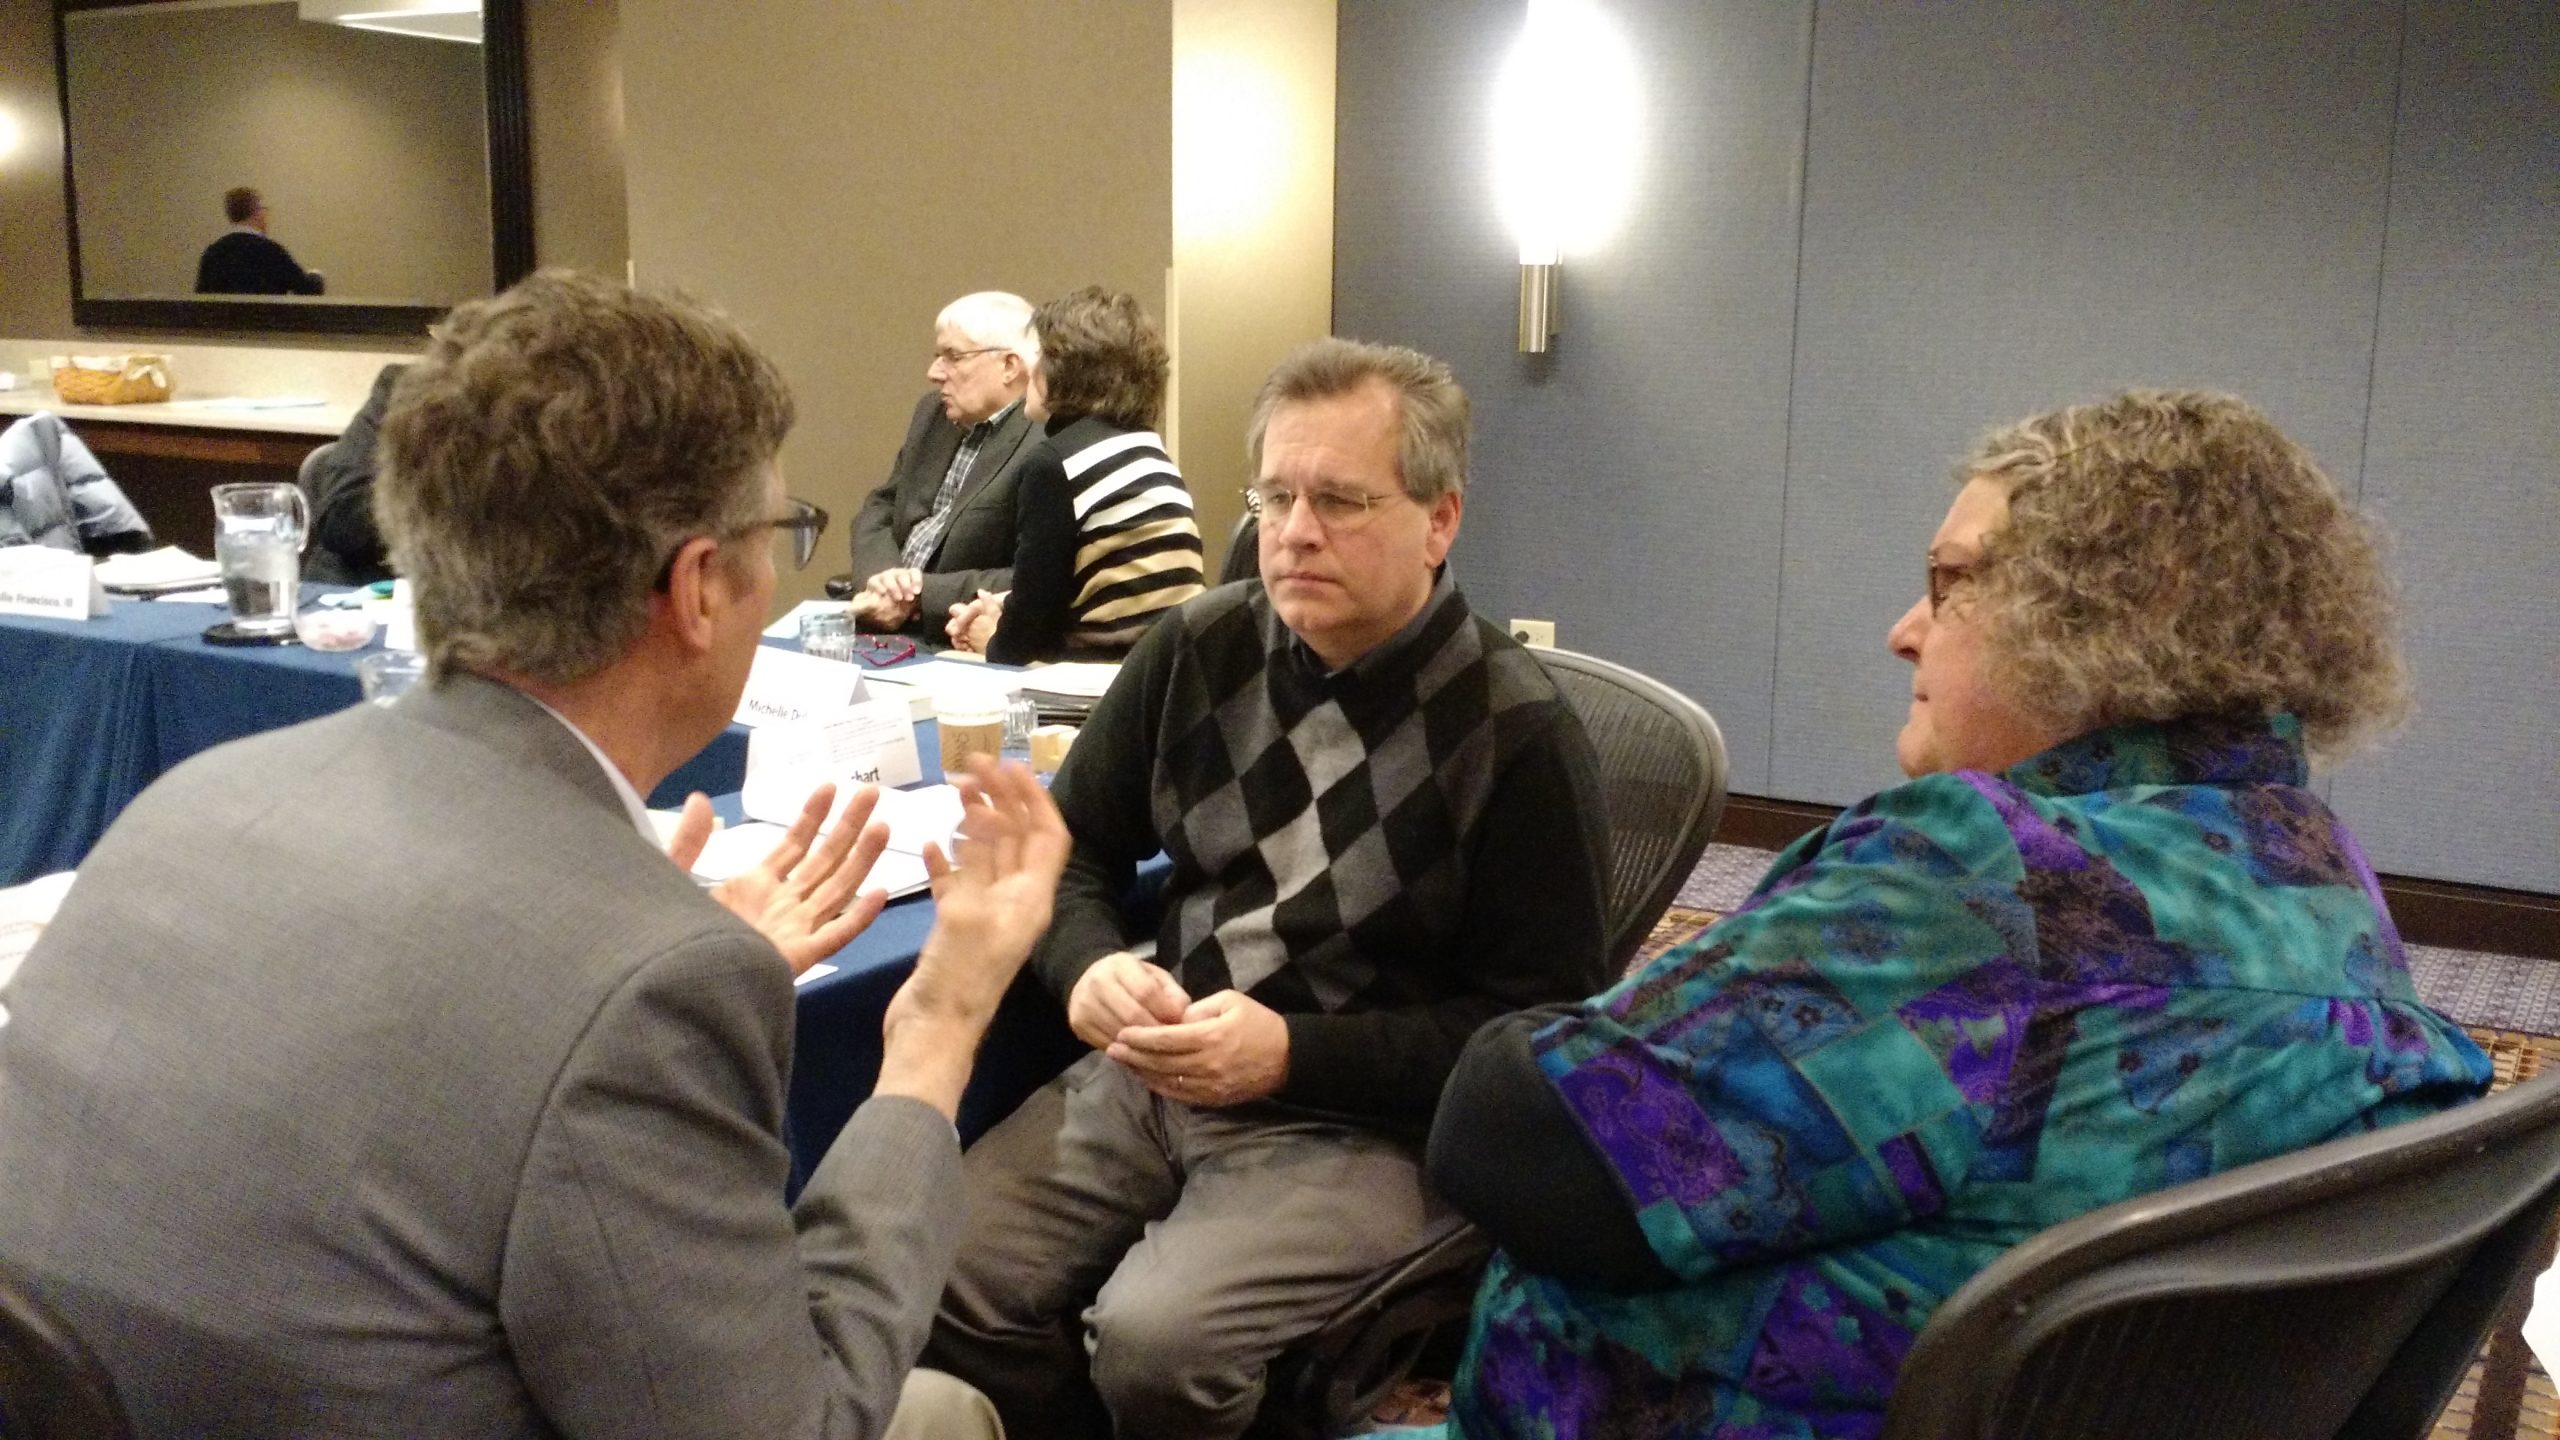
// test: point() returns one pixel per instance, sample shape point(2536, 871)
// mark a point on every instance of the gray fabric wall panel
point(1628, 486)
point(2464, 463)
point(1871, 229)
point(2009, 208)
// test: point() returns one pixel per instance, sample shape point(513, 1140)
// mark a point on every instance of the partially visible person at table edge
point(2105, 940)
point(1105, 541)
point(380, 1075)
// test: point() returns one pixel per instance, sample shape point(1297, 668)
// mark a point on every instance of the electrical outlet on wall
point(1534, 632)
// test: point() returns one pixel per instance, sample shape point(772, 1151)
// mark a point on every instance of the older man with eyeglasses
point(1385, 827)
point(940, 529)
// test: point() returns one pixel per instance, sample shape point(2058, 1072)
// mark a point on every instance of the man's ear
point(696, 584)
point(1446, 511)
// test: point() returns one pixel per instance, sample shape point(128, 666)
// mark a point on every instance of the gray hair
point(996, 318)
point(1431, 447)
point(549, 453)
point(2172, 553)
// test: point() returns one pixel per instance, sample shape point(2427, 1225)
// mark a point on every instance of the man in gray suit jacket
point(941, 527)
point(380, 1076)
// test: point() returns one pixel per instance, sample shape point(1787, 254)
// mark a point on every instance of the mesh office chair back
point(2340, 1291)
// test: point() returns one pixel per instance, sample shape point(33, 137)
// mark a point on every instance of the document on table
point(914, 817)
point(167, 568)
point(24, 912)
point(922, 682)
point(252, 402)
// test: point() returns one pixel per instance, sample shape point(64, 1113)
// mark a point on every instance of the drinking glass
point(258, 534)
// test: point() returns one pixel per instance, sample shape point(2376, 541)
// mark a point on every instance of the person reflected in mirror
point(245, 260)
point(1106, 543)
point(54, 492)
point(940, 530)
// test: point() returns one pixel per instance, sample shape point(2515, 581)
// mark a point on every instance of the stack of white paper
point(24, 912)
point(915, 818)
point(167, 568)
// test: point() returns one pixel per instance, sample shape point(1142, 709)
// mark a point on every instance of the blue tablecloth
point(78, 738)
point(93, 711)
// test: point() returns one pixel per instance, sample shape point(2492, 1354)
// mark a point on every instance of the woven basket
point(111, 380)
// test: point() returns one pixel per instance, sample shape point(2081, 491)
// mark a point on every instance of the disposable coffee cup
point(971, 723)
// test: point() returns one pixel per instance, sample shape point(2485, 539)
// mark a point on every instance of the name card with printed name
point(868, 744)
point(57, 584)
point(786, 687)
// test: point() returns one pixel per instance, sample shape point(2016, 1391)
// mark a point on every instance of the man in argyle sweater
point(1385, 827)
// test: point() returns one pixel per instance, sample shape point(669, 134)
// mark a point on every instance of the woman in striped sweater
point(1105, 542)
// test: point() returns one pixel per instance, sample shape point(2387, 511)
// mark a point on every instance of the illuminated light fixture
point(1565, 119)
point(423, 19)
point(1230, 144)
point(11, 134)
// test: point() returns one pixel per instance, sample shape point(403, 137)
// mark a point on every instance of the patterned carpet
point(2510, 1005)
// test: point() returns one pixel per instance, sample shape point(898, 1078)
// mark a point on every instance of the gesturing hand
point(991, 899)
point(1228, 1048)
point(1120, 990)
point(803, 900)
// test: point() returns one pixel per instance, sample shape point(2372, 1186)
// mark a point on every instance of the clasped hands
point(889, 599)
point(1221, 1049)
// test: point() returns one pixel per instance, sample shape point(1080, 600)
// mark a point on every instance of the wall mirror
point(386, 139)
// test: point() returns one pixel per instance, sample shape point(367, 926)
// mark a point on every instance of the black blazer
point(245, 262)
point(346, 546)
point(976, 552)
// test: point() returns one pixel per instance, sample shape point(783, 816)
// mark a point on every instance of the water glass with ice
point(258, 534)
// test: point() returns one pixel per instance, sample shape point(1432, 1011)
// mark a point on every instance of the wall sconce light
point(1565, 141)
point(11, 134)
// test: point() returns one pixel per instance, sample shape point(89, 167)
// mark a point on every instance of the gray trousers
point(1132, 1265)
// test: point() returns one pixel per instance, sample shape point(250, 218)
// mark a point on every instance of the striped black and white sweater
point(1105, 544)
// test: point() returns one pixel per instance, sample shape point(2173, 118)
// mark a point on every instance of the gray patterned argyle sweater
point(1388, 855)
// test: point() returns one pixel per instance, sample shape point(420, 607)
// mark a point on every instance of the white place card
point(784, 686)
point(57, 584)
point(868, 744)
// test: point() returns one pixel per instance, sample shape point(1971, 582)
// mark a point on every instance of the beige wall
point(573, 72)
point(367, 147)
point(833, 173)
point(1252, 222)
point(575, 99)
point(35, 265)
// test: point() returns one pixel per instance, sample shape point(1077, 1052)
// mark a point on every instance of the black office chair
point(1244, 551)
point(51, 1386)
point(1662, 777)
point(2338, 1293)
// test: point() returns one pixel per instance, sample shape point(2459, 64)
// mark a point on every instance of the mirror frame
point(510, 141)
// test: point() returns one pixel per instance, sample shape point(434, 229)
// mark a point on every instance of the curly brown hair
point(2172, 553)
point(1101, 355)
point(551, 449)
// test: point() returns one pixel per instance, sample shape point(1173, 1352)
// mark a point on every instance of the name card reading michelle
point(786, 687)
point(56, 584)
point(868, 744)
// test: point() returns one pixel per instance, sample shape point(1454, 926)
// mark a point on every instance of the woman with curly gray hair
point(2105, 940)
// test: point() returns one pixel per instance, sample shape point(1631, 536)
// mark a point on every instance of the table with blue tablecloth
point(92, 711)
